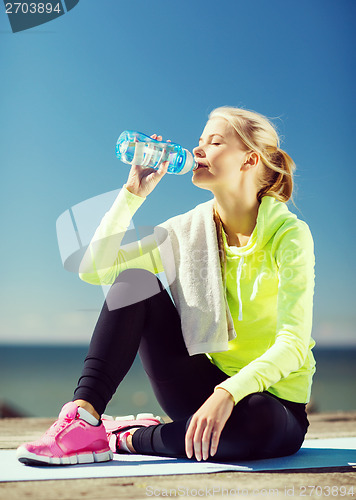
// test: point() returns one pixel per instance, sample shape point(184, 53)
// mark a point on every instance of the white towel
point(189, 250)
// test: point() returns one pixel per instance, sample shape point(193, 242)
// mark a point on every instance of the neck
point(238, 215)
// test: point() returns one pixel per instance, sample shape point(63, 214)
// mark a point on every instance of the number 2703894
point(32, 8)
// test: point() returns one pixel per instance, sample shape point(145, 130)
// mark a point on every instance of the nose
point(198, 152)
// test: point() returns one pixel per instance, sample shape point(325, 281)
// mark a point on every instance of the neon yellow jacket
point(269, 290)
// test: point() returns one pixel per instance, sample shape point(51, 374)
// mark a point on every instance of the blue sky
point(69, 87)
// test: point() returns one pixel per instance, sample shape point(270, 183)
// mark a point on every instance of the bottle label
point(151, 156)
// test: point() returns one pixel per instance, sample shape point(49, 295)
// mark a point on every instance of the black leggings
point(139, 316)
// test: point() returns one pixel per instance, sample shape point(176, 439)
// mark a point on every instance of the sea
point(37, 380)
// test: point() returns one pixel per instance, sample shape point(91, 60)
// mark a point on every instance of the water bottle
point(139, 149)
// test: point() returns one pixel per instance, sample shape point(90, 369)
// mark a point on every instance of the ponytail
point(277, 176)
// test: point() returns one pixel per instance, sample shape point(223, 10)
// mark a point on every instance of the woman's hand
point(142, 180)
point(203, 434)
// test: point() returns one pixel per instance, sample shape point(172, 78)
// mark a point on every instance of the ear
point(251, 161)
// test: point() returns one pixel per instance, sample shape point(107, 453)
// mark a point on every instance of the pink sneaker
point(70, 440)
point(115, 428)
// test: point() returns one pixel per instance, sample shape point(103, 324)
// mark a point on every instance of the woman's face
point(220, 155)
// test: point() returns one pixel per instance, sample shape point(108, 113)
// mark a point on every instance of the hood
point(272, 214)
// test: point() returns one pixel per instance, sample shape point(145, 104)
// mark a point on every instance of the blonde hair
point(258, 134)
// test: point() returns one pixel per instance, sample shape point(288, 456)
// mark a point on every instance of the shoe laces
point(58, 425)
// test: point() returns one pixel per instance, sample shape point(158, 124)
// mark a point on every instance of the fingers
point(215, 438)
point(156, 137)
point(201, 439)
point(162, 169)
point(197, 442)
point(206, 438)
point(189, 439)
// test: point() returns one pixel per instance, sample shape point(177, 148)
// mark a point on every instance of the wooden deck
point(14, 431)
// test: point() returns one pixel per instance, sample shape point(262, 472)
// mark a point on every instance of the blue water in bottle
point(139, 149)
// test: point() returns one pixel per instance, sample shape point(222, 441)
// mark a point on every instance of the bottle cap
point(189, 163)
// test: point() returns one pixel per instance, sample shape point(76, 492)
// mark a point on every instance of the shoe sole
point(139, 416)
point(26, 457)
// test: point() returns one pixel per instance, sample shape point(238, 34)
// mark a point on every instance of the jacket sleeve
point(294, 255)
point(105, 257)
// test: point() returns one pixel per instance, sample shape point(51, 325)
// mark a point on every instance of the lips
point(199, 165)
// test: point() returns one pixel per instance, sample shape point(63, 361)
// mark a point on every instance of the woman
point(230, 361)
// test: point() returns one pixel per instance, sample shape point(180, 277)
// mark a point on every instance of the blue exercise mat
point(315, 453)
